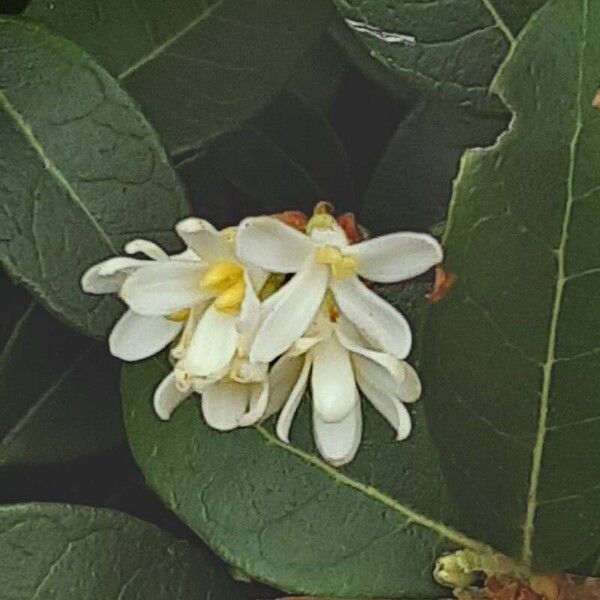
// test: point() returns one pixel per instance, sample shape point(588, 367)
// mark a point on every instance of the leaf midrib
point(538, 449)
point(49, 165)
point(170, 41)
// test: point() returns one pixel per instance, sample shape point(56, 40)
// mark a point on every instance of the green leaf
point(59, 392)
point(81, 170)
point(412, 183)
point(57, 551)
point(197, 68)
point(450, 47)
point(285, 517)
point(511, 357)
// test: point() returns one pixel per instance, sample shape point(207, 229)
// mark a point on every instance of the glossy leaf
point(512, 353)
point(412, 184)
point(82, 172)
point(372, 529)
point(198, 68)
point(59, 392)
point(451, 47)
point(57, 551)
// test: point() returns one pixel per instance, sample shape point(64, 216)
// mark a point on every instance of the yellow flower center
point(320, 221)
point(179, 316)
point(225, 280)
point(341, 266)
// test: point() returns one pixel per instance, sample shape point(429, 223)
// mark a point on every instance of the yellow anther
point(273, 283)
point(179, 316)
point(221, 276)
point(229, 234)
point(341, 266)
point(320, 221)
point(331, 307)
point(230, 301)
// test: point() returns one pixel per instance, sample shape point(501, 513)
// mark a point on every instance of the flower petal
point(379, 322)
point(150, 249)
point(162, 288)
point(107, 277)
point(397, 256)
point(333, 386)
point(213, 344)
point(290, 312)
point(410, 387)
point(351, 339)
point(339, 442)
point(167, 397)
point(288, 384)
point(201, 237)
point(135, 337)
point(223, 404)
point(259, 399)
point(268, 243)
point(380, 396)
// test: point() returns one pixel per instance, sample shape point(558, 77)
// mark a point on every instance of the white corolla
point(339, 362)
point(136, 336)
point(323, 259)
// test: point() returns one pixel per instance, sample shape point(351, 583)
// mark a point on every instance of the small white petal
point(213, 344)
point(150, 249)
point(167, 397)
point(290, 312)
point(268, 243)
point(396, 257)
point(135, 337)
point(339, 442)
point(201, 237)
point(178, 351)
point(382, 398)
point(223, 404)
point(165, 287)
point(332, 236)
point(384, 326)
point(288, 382)
point(250, 310)
point(259, 398)
point(410, 387)
point(107, 277)
point(333, 386)
point(351, 339)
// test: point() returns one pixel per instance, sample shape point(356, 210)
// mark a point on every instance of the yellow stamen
point(229, 234)
point(273, 283)
point(230, 301)
point(331, 307)
point(341, 266)
point(179, 316)
point(221, 276)
point(320, 221)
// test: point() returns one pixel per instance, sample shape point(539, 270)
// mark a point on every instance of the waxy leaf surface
point(197, 67)
point(451, 47)
point(57, 551)
point(511, 358)
point(81, 172)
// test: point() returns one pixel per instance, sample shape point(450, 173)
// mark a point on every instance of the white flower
point(135, 336)
point(324, 259)
point(340, 362)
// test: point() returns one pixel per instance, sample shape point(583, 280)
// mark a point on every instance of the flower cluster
point(257, 310)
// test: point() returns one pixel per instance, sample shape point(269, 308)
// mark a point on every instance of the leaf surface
point(198, 68)
point(82, 172)
point(511, 355)
point(372, 529)
point(59, 392)
point(57, 551)
point(451, 47)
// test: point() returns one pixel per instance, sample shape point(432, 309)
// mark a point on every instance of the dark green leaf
point(511, 360)
point(412, 184)
point(81, 172)
point(285, 517)
point(197, 68)
point(59, 392)
point(452, 47)
point(58, 552)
